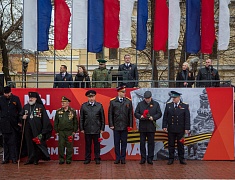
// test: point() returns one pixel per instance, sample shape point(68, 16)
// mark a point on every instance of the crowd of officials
point(31, 124)
point(29, 127)
point(128, 76)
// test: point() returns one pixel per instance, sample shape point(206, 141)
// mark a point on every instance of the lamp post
point(25, 62)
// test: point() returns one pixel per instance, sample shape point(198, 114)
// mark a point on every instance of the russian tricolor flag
point(36, 24)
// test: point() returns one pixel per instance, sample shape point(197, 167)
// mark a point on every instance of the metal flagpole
point(37, 67)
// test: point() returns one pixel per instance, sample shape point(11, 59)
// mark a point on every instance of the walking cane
point(22, 138)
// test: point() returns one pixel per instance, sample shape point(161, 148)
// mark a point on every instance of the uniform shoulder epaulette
point(184, 103)
point(112, 98)
point(72, 109)
point(128, 98)
point(169, 102)
point(59, 109)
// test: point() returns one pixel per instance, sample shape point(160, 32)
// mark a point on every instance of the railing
point(142, 83)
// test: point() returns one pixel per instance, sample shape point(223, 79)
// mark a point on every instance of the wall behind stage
point(212, 122)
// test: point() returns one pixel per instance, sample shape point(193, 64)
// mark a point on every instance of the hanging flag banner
point(193, 37)
point(160, 25)
point(111, 23)
point(207, 26)
point(224, 27)
point(126, 8)
point(36, 24)
point(95, 26)
point(142, 19)
point(174, 24)
point(62, 19)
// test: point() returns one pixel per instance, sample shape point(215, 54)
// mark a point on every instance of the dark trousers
point(63, 142)
point(171, 145)
point(10, 146)
point(88, 140)
point(150, 140)
point(120, 136)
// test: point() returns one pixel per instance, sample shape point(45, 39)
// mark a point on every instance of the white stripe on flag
point(174, 24)
point(79, 24)
point(224, 28)
point(30, 25)
point(126, 8)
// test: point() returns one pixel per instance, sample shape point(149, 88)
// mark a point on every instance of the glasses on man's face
point(122, 91)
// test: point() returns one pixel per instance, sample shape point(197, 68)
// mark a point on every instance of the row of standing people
point(82, 79)
point(37, 126)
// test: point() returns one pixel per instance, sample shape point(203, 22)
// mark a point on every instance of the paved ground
point(131, 170)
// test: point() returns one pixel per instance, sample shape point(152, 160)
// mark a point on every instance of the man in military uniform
point(101, 74)
point(92, 123)
point(120, 118)
point(147, 125)
point(10, 107)
point(38, 129)
point(208, 73)
point(65, 125)
point(129, 72)
point(176, 121)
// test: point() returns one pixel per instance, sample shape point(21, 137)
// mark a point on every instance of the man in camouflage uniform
point(65, 125)
point(101, 74)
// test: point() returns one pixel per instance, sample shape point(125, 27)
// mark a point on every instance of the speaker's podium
point(119, 78)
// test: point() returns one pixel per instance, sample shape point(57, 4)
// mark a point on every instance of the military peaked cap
point(174, 94)
point(101, 61)
point(65, 99)
point(90, 93)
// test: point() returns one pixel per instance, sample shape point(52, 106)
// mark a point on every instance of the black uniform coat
point(208, 74)
point(9, 111)
point(120, 114)
point(92, 119)
point(67, 77)
point(130, 73)
point(146, 125)
point(176, 120)
point(184, 76)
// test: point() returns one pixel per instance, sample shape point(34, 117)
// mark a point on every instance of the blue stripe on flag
point(44, 21)
point(95, 33)
point(142, 18)
point(193, 15)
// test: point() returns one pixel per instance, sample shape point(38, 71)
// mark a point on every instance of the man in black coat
point(208, 73)
point(63, 76)
point(10, 107)
point(176, 121)
point(92, 123)
point(147, 111)
point(120, 118)
point(37, 129)
point(129, 72)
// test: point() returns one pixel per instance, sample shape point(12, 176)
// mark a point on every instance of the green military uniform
point(65, 124)
point(101, 74)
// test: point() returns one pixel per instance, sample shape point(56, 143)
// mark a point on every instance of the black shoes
point(14, 162)
point(87, 161)
point(61, 162)
point(150, 162)
point(116, 161)
point(183, 162)
point(170, 162)
point(28, 162)
point(142, 162)
point(5, 162)
point(68, 162)
point(97, 161)
point(123, 161)
point(35, 163)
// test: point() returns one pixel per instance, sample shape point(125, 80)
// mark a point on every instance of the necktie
point(176, 105)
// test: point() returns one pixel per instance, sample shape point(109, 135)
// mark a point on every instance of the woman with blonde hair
point(183, 77)
point(82, 79)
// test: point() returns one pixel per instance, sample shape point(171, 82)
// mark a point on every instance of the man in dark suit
point(129, 72)
point(176, 121)
point(10, 107)
point(147, 125)
point(63, 76)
